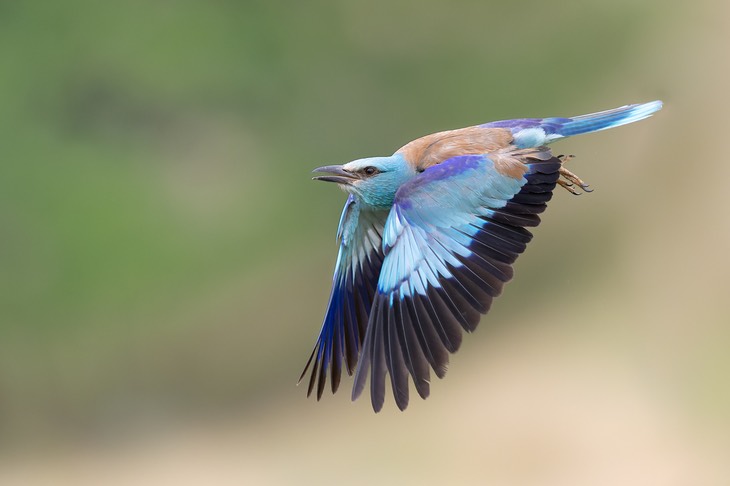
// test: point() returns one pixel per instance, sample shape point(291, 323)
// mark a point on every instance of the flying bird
point(427, 239)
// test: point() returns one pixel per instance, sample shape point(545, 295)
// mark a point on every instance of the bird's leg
point(570, 180)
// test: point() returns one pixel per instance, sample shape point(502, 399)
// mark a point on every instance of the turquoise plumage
point(427, 240)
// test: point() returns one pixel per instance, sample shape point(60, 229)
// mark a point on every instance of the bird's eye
point(370, 170)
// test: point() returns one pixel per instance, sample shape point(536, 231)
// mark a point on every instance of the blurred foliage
point(162, 247)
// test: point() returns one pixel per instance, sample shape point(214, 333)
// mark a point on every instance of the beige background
point(166, 260)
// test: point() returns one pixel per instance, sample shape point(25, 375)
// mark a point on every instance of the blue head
point(374, 180)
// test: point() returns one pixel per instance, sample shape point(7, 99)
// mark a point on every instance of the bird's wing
point(353, 287)
point(450, 240)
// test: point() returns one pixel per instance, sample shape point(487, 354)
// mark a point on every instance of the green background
point(165, 260)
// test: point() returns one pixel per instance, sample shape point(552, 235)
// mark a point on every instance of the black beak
point(341, 176)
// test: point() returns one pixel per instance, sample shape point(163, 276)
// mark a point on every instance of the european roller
point(427, 240)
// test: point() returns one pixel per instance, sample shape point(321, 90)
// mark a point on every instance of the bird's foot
point(570, 180)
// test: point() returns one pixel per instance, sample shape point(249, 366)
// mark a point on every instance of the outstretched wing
point(450, 240)
point(353, 287)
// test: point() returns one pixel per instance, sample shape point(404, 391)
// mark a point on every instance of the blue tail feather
point(608, 119)
point(534, 132)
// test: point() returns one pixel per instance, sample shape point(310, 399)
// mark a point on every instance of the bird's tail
point(535, 132)
point(607, 119)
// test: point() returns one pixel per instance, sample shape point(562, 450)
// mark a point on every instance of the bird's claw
point(568, 186)
point(570, 180)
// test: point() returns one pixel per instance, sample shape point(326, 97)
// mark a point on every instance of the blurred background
point(165, 260)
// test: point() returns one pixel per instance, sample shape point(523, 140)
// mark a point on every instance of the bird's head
point(373, 180)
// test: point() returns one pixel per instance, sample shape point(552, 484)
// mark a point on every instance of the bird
point(427, 239)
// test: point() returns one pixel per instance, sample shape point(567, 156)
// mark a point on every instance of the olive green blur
point(165, 259)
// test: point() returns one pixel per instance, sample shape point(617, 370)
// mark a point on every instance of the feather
point(353, 290)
